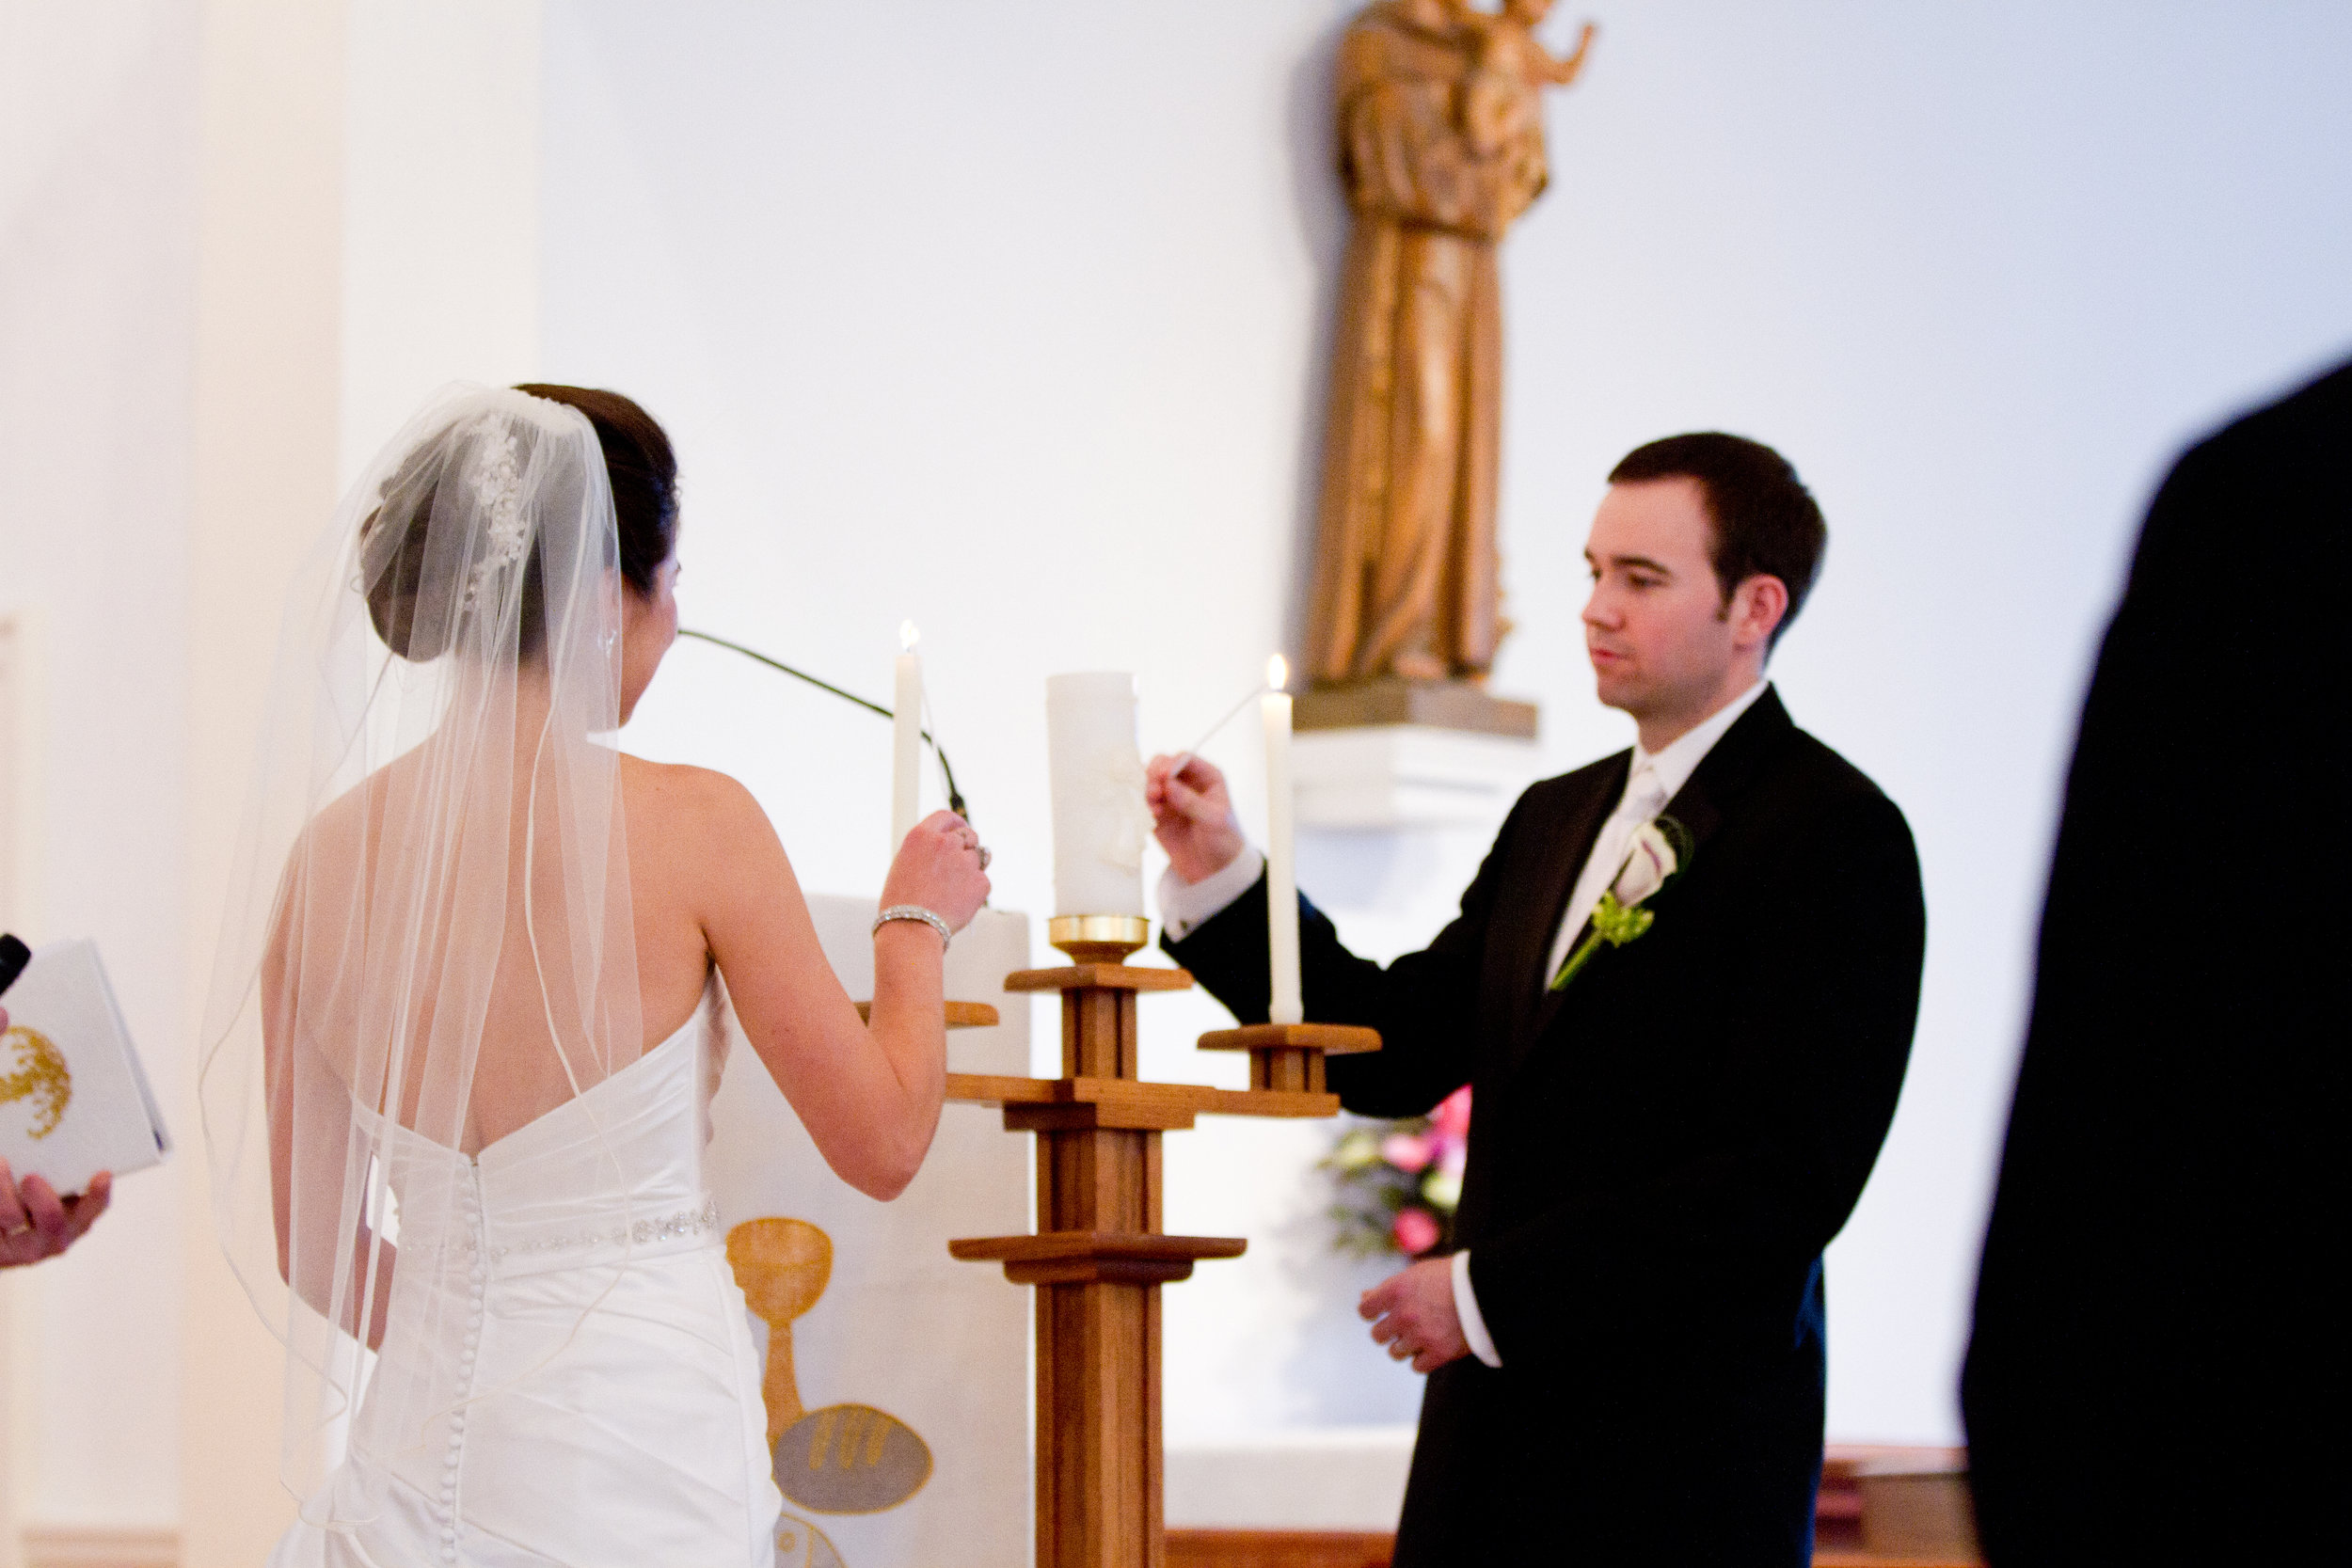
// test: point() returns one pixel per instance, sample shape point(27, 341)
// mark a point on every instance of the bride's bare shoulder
point(355, 816)
point(676, 803)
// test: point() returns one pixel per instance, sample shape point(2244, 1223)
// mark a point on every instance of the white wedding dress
point(581, 1306)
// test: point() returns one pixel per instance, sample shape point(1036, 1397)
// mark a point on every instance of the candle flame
point(1277, 672)
point(908, 637)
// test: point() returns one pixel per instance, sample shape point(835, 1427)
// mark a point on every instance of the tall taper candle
point(906, 738)
point(1287, 1004)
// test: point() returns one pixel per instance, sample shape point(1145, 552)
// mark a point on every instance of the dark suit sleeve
point(1819, 1010)
point(1424, 1003)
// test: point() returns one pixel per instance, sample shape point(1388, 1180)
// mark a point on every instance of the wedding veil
point(429, 934)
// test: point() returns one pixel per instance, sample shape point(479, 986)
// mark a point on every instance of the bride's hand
point(939, 868)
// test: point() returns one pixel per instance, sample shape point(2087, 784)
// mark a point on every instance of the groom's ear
point(1756, 609)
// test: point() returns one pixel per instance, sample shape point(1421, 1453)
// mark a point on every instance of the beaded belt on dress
point(685, 1224)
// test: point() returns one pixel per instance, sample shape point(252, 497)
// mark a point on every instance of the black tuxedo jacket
point(1657, 1154)
point(2160, 1370)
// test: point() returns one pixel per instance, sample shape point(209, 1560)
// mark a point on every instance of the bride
point(460, 1046)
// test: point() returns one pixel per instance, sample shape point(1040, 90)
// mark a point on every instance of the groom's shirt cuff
point(1184, 906)
point(1482, 1344)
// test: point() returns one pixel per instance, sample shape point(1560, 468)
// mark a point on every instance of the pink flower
point(1452, 1117)
point(1416, 1231)
point(1406, 1152)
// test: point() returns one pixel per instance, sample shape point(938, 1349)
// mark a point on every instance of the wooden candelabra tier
point(1100, 1258)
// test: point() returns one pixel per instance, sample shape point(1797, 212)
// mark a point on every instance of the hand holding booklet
point(74, 1098)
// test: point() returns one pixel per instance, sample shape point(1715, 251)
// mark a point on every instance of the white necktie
point(1644, 797)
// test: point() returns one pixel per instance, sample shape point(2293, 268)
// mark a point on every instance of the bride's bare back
point(708, 886)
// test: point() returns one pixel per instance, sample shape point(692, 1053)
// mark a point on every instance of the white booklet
point(74, 1098)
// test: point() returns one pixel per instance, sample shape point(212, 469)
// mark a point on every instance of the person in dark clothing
point(1626, 1357)
point(2158, 1368)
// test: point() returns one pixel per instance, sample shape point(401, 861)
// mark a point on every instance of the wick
point(1193, 750)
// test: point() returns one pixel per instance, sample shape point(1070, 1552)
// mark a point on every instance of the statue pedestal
point(1408, 776)
point(1399, 754)
point(1100, 1258)
point(1463, 706)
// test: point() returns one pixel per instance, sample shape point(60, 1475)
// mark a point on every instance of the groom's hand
point(1192, 815)
point(1412, 1313)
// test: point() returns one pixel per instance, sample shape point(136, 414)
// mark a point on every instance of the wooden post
point(1099, 1257)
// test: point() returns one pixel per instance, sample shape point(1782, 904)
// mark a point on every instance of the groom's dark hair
point(1767, 523)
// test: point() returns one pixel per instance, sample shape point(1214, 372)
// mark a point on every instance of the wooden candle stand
point(1100, 1258)
point(1289, 1057)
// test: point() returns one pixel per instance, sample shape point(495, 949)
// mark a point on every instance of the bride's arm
point(868, 1094)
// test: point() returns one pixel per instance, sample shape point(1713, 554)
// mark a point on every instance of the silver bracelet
point(915, 912)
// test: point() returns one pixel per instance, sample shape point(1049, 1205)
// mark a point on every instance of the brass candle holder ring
point(1098, 939)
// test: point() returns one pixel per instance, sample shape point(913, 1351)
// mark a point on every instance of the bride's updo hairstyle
point(643, 470)
point(412, 607)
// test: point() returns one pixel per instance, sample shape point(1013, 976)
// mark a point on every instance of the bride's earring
point(607, 640)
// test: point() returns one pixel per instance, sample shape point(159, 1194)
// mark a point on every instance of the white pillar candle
point(1286, 1000)
point(1100, 820)
point(906, 738)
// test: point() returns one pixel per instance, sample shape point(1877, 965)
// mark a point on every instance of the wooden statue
point(1441, 146)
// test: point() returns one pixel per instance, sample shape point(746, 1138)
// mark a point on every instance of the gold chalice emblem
point(782, 1266)
point(844, 1458)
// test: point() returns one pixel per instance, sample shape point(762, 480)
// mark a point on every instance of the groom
point(1625, 1356)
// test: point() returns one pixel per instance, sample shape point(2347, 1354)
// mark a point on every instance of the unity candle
point(1100, 820)
point(906, 738)
point(1285, 999)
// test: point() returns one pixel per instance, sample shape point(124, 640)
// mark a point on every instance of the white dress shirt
point(1650, 782)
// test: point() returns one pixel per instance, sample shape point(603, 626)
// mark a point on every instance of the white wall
point(1011, 319)
point(440, 207)
point(267, 307)
point(97, 174)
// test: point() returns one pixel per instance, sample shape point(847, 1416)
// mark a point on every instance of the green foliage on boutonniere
point(1660, 850)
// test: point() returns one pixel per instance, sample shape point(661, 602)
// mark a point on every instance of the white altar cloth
point(939, 1347)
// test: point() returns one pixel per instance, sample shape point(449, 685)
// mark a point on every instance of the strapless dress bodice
point(612, 1175)
point(567, 1376)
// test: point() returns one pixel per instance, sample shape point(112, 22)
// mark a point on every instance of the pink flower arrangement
point(1416, 1230)
point(1408, 1151)
point(1400, 1181)
point(1451, 1119)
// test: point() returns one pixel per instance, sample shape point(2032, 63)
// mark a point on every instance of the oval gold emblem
point(38, 1075)
point(851, 1459)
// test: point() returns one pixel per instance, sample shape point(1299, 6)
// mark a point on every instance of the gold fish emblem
point(801, 1545)
point(40, 1075)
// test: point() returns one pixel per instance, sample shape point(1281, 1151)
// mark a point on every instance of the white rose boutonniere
point(1660, 850)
